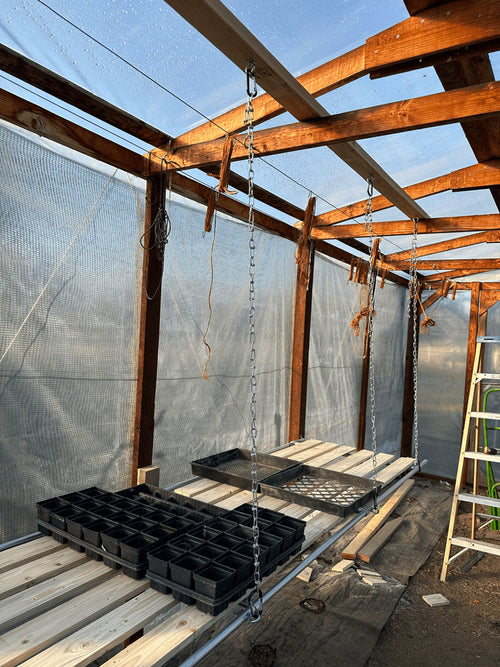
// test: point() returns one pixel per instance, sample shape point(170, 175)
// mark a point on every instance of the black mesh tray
point(235, 467)
point(320, 489)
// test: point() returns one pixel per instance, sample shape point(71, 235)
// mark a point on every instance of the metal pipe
point(215, 641)
point(19, 540)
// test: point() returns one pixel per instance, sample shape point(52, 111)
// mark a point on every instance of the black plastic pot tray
point(320, 489)
point(235, 467)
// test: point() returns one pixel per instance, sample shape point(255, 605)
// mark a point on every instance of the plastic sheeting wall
point(441, 372)
point(196, 417)
point(69, 238)
point(334, 381)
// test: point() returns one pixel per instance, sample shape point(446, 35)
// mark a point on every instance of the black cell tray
point(321, 489)
point(216, 605)
point(235, 467)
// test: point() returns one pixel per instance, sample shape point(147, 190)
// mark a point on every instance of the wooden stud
point(149, 475)
point(301, 328)
point(373, 546)
point(149, 332)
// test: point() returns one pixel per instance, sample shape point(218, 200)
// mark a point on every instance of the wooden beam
point(301, 328)
point(31, 117)
point(442, 264)
point(443, 246)
point(408, 410)
point(363, 391)
point(464, 223)
point(31, 72)
point(149, 332)
point(448, 275)
point(441, 29)
point(428, 111)
point(212, 19)
point(481, 175)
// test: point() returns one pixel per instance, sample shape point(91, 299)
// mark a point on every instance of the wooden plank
point(373, 546)
point(443, 246)
point(92, 641)
point(366, 469)
point(449, 275)
point(314, 452)
point(149, 330)
point(350, 461)
point(46, 124)
point(164, 641)
point(16, 556)
point(442, 264)
point(24, 605)
point(269, 503)
point(197, 487)
point(290, 452)
point(296, 511)
point(33, 636)
point(233, 501)
point(451, 26)
point(149, 475)
point(377, 521)
point(482, 175)
point(463, 223)
point(301, 328)
point(33, 572)
point(395, 469)
point(330, 456)
point(478, 101)
point(218, 493)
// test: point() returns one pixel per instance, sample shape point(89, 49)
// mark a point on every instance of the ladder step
point(481, 456)
point(466, 542)
point(488, 339)
point(479, 500)
point(487, 376)
point(485, 415)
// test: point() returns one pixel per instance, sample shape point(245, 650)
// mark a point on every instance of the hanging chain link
point(255, 609)
point(412, 320)
point(372, 283)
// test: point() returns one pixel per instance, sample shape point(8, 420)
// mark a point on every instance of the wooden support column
point(408, 395)
point(149, 331)
point(301, 327)
point(475, 296)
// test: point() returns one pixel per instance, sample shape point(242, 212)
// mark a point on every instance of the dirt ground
point(466, 632)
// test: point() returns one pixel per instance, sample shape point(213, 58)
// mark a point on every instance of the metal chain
point(255, 610)
point(372, 283)
point(413, 306)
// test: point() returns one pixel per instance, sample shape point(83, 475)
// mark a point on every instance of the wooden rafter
point(464, 223)
point(215, 21)
point(443, 246)
point(428, 111)
point(352, 65)
point(449, 275)
point(444, 264)
point(477, 176)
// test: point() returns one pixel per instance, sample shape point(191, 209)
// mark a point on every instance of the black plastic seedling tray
point(320, 489)
point(235, 467)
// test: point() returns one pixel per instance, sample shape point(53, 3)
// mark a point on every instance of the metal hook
point(255, 609)
point(250, 72)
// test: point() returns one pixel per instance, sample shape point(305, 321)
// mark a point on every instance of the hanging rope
point(254, 606)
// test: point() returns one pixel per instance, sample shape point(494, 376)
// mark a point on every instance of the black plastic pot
point(111, 538)
point(106, 497)
point(287, 535)
point(185, 542)
point(262, 523)
point(237, 517)
point(269, 515)
point(107, 512)
point(210, 550)
point(242, 565)
point(241, 532)
point(44, 506)
point(226, 541)
point(274, 544)
point(123, 517)
point(162, 533)
point(75, 522)
point(159, 516)
point(160, 557)
point(92, 531)
point(246, 549)
point(244, 509)
point(126, 505)
point(88, 505)
point(179, 523)
point(57, 516)
point(204, 532)
point(140, 524)
point(196, 517)
point(222, 524)
point(73, 497)
point(135, 548)
point(92, 492)
point(290, 522)
point(183, 568)
point(214, 580)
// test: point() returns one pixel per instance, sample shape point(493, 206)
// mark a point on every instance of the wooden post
point(364, 388)
point(149, 331)
point(301, 328)
point(408, 395)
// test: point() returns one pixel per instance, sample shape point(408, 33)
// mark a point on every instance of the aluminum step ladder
point(475, 455)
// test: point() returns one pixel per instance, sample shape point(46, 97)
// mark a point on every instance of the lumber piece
point(33, 572)
point(377, 522)
point(23, 641)
point(342, 565)
point(33, 601)
point(197, 487)
point(395, 469)
point(218, 493)
point(333, 455)
point(289, 452)
point(16, 556)
point(233, 501)
point(314, 452)
point(350, 461)
point(373, 546)
point(366, 469)
point(92, 641)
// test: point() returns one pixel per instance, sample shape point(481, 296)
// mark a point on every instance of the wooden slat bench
point(61, 608)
